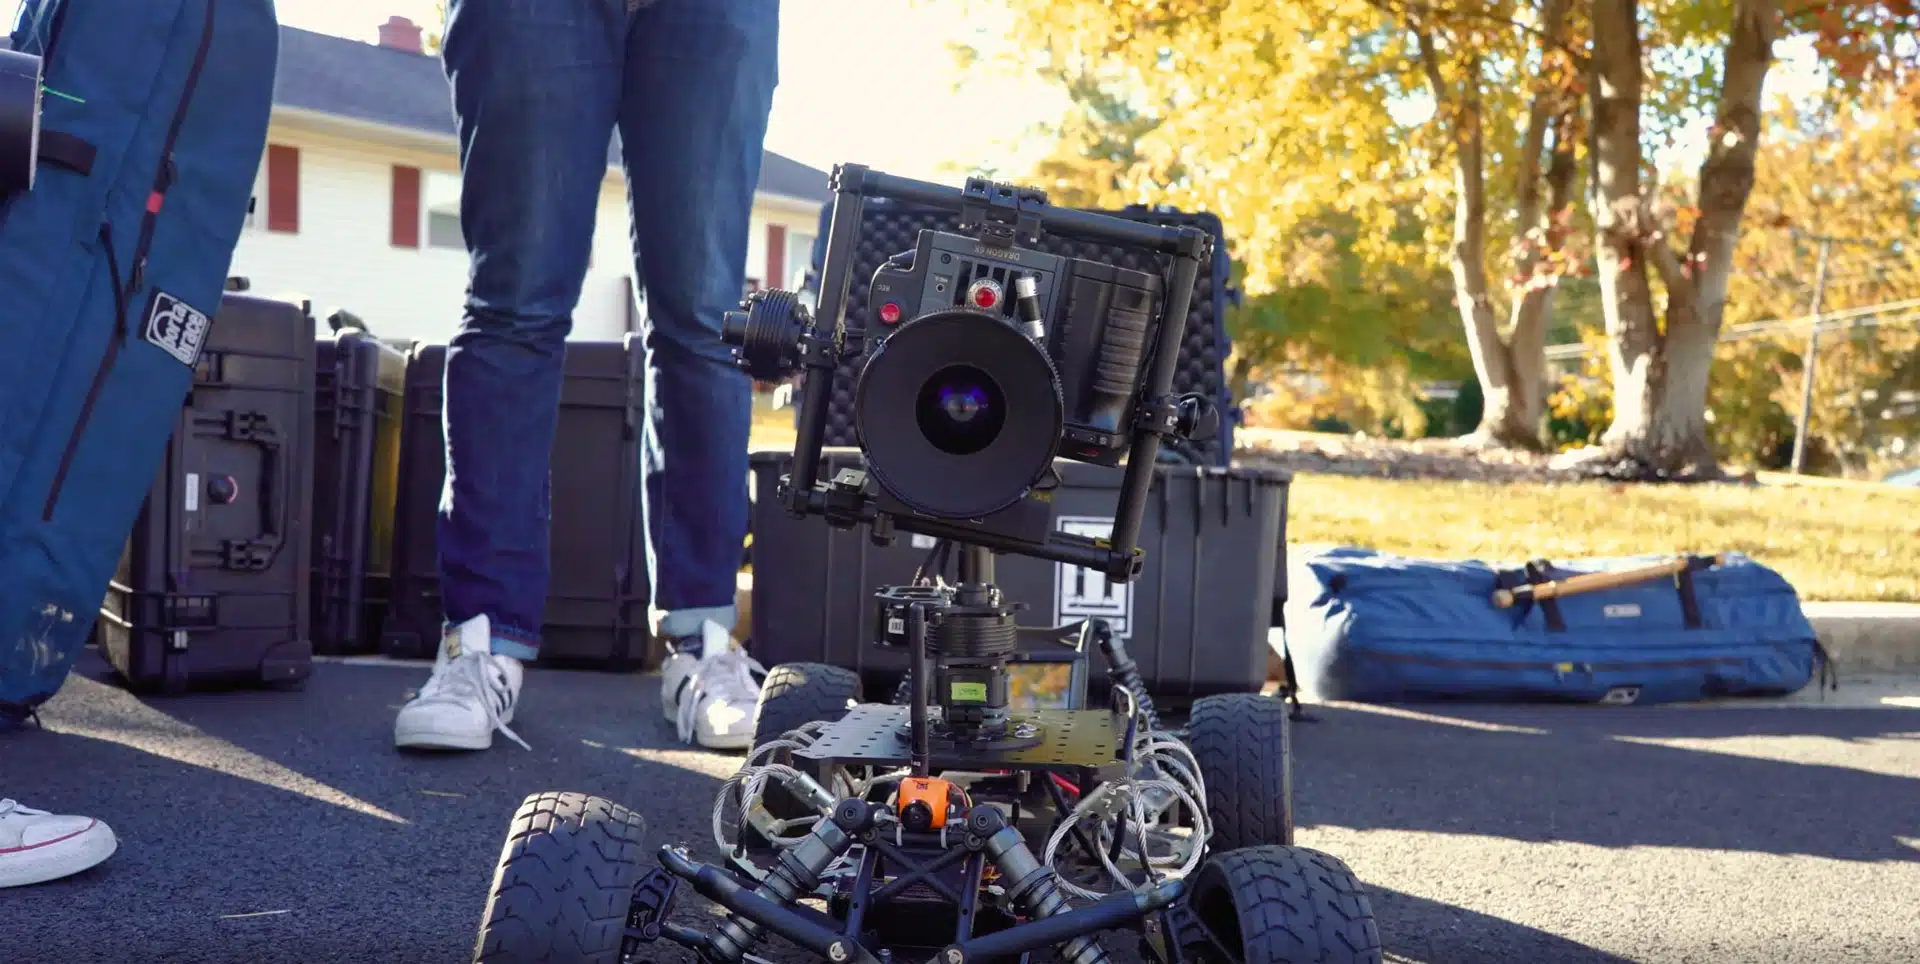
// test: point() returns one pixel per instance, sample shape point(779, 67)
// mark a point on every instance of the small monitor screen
point(1039, 686)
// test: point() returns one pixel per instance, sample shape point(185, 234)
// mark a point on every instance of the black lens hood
point(918, 472)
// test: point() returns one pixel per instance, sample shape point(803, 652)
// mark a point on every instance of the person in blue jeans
point(539, 88)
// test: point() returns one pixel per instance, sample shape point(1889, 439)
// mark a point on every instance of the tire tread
point(796, 694)
point(563, 882)
point(1243, 744)
point(1295, 905)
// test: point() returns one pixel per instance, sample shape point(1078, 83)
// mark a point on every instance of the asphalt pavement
point(283, 827)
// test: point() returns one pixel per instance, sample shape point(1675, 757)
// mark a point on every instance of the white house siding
point(801, 219)
point(342, 254)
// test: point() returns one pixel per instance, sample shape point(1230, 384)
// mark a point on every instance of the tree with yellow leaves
point(1845, 168)
point(1272, 114)
point(1661, 354)
point(1446, 139)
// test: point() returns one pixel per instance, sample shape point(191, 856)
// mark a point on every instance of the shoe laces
point(464, 679)
point(727, 675)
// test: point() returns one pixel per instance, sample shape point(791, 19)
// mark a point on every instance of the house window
point(443, 211)
point(283, 189)
point(776, 253)
point(405, 230)
point(799, 257)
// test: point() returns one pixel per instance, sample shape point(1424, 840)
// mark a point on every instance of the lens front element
point(961, 410)
point(958, 413)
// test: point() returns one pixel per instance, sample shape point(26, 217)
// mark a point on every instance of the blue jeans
point(539, 87)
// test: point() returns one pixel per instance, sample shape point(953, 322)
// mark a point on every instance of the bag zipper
point(1580, 666)
point(162, 181)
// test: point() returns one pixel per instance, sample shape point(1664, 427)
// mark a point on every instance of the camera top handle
point(1011, 216)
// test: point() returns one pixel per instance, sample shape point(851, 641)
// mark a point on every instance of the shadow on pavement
point(1843, 784)
point(266, 826)
point(1431, 932)
point(283, 826)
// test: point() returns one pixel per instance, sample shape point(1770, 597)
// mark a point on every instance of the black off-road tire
point(562, 887)
point(1284, 905)
point(794, 695)
point(1244, 745)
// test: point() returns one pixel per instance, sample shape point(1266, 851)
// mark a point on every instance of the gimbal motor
point(969, 635)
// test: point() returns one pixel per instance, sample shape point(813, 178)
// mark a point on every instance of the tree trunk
point(1626, 298)
point(1660, 377)
point(1240, 377)
point(1511, 370)
point(1511, 415)
point(1527, 332)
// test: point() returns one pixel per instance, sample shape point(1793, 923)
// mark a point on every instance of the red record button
point(889, 313)
point(984, 293)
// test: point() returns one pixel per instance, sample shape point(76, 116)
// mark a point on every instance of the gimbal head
point(1050, 339)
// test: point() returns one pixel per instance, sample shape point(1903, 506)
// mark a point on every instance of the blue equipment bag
point(112, 265)
point(1367, 627)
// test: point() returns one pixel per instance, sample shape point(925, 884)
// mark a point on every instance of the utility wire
point(1849, 318)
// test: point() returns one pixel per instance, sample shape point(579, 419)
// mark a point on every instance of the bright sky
point(870, 81)
point(863, 81)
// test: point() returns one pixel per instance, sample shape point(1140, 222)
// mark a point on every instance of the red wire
point(1064, 784)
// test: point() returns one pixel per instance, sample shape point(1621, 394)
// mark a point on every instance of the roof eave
point(393, 134)
point(799, 204)
point(413, 138)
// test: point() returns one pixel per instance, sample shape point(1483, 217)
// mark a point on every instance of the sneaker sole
point(428, 740)
point(741, 742)
point(81, 851)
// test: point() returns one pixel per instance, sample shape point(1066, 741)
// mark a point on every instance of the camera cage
point(1003, 216)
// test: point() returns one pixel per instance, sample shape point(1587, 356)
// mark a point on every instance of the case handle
point(259, 429)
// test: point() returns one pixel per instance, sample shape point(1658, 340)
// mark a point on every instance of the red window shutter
point(776, 255)
point(283, 188)
point(406, 207)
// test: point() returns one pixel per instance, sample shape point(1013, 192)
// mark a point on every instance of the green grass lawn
point(1833, 542)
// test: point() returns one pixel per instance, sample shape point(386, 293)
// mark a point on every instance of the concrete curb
point(1868, 638)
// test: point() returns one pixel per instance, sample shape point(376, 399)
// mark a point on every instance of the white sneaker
point(711, 698)
point(471, 693)
point(37, 846)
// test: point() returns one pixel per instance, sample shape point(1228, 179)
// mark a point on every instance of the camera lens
point(961, 410)
point(958, 414)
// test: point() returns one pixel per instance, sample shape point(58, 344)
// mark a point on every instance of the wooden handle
point(1592, 582)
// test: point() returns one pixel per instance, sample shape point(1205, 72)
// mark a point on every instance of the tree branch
point(1727, 173)
point(1543, 110)
point(1666, 263)
point(1430, 62)
point(1399, 9)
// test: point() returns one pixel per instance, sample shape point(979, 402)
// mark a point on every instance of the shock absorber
point(1034, 887)
point(793, 875)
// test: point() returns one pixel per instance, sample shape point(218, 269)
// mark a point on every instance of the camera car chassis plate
point(879, 735)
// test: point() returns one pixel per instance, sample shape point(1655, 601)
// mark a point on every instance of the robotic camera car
point(988, 812)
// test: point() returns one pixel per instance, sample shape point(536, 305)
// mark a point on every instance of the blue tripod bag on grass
point(1373, 628)
point(112, 265)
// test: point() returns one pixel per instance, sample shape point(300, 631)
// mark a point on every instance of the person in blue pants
point(539, 89)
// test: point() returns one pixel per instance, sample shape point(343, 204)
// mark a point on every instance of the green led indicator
point(969, 692)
